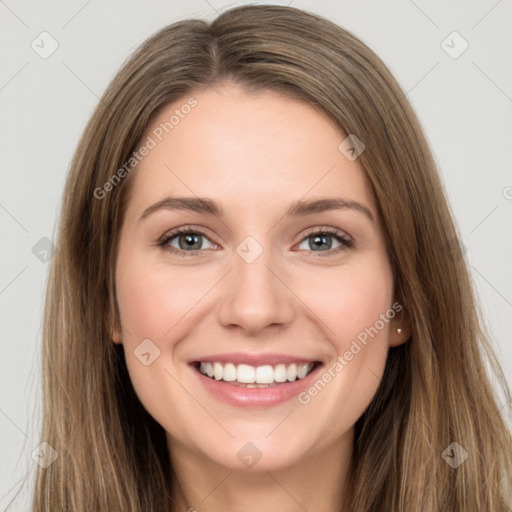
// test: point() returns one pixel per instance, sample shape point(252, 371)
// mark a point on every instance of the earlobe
point(400, 328)
point(115, 335)
point(398, 336)
point(116, 338)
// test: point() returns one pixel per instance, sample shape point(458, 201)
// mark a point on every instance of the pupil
point(322, 239)
point(190, 241)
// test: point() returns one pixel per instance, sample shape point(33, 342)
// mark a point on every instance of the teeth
point(265, 374)
point(291, 372)
point(229, 374)
point(302, 371)
point(245, 374)
point(280, 374)
point(218, 371)
point(261, 376)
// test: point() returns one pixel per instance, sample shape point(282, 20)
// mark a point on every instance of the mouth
point(248, 376)
point(257, 385)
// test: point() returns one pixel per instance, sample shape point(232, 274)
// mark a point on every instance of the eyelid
point(329, 230)
point(188, 228)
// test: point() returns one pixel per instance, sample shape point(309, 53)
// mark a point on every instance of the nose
point(256, 296)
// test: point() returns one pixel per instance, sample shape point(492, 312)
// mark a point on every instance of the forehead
point(245, 149)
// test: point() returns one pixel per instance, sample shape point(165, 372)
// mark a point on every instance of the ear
point(400, 328)
point(115, 332)
point(116, 338)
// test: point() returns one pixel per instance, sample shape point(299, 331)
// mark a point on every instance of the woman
point(198, 355)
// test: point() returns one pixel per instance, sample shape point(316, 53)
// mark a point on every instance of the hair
point(436, 390)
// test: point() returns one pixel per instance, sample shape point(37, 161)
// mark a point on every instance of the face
point(277, 285)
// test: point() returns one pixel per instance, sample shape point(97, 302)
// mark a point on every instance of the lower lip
point(255, 397)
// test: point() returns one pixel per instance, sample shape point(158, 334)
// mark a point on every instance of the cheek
point(349, 300)
point(152, 299)
point(362, 299)
point(153, 304)
point(355, 306)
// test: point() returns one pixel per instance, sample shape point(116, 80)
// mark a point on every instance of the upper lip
point(253, 359)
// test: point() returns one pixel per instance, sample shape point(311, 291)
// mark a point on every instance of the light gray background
point(464, 104)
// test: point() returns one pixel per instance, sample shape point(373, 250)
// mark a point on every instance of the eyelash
point(346, 242)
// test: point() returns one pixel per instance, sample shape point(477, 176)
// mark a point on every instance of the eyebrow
point(297, 209)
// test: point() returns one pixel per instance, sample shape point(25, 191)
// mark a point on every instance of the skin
point(254, 153)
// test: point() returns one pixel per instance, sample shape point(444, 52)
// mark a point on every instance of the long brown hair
point(112, 455)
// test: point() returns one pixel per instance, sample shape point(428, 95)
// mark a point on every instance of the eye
point(323, 240)
point(183, 240)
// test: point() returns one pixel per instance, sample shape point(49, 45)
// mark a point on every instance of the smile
point(255, 376)
point(255, 381)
